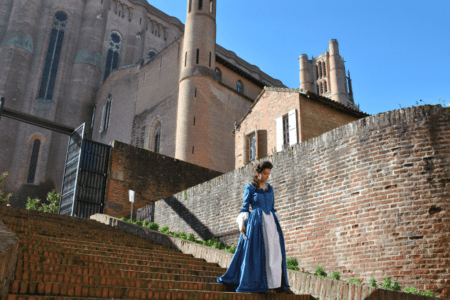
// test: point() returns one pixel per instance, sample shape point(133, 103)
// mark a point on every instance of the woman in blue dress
point(259, 263)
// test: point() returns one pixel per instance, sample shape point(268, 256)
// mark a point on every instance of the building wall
point(143, 171)
point(317, 118)
point(263, 115)
point(362, 199)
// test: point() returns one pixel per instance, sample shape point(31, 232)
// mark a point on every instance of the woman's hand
point(243, 230)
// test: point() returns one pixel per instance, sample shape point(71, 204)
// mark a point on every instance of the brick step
point(90, 260)
point(100, 269)
point(42, 249)
point(32, 287)
point(167, 295)
point(70, 277)
point(32, 243)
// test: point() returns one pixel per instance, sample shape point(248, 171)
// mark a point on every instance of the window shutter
point(256, 143)
point(244, 147)
point(293, 127)
point(102, 123)
point(279, 124)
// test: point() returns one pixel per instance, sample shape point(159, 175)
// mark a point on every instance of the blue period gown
point(259, 262)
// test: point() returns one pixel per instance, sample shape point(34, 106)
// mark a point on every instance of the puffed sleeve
point(243, 214)
point(273, 206)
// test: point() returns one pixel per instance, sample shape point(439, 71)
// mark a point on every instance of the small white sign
point(131, 194)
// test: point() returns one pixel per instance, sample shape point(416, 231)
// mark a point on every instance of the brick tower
point(197, 66)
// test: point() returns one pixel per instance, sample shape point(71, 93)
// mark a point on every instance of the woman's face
point(264, 175)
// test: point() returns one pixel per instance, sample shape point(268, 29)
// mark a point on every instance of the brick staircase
point(71, 258)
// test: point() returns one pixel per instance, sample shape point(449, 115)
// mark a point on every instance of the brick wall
point(370, 198)
point(151, 175)
point(8, 257)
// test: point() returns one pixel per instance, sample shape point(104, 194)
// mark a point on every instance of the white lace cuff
point(243, 216)
point(278, 215)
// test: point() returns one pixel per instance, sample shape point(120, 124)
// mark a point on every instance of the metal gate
point(83, 190)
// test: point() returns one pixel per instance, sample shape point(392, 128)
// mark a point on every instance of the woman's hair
point(259, 168)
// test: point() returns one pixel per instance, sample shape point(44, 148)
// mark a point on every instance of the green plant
point(320, 272)
point(292, 264)
point(4, 200)
point(387, 284)
point(373, 282)
point(191, 238)
point(139, 222)
point(336, 275)
point(129, 221)
point(153, 226)
point(145, 223)
point(123, 219)
point(183, 235)
point(232, 249)
point(219, 245)
point(52, 198)
point(165, 229)
point(356, 280)
point(396, 286)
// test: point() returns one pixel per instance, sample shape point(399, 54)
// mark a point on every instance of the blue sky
point(398, 52)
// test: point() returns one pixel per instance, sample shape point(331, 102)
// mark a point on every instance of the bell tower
point(197, 72)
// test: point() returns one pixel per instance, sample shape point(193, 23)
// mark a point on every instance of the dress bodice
point(258, 198)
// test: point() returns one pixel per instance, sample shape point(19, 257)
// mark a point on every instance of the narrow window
point(107, 114)
point(200, 4)
point(218, 75)
point(321, 88)
point(285, 132)
point(198, 54)
point(324, 69)
point(52, 58)
point(317, 74)
point(239, 87)
point(192, 149)
point(320, 69)
point(157, 138)
point(190, 5)
point(326, 87)
point(318, 89)
point(185, 59)
point(151, 54)
point(195, 92)
point(194, 120)
point(210, 59)
point(33, 161)
point(92, 120)
point(112, 57)
point(211, 6)
point(119, 13)
point(252, 148)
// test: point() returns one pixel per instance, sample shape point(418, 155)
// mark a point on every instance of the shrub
point(336, 275)
point(129, 221)
point(396, 286)
point(145, 223)
point(387, 284)
point(320, 272)
point(165, 229)
point(356, 280)
point(219, 245)
point(52, 197)
point(153, 226)
point(292, 263)
point(4, 200)
point(139, 222)
point(373, 282)
point(123, 219)
point(183, 235)
point(232, 249)
point(191, 237)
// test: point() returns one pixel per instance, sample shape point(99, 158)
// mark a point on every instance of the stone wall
point(151, 175)
point(370, 198)
point(8, 257)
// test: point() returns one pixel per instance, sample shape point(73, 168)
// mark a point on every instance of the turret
point(337, 74)
point(197, 72)
point(305, 80)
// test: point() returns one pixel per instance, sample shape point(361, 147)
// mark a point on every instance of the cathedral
point(131, 73)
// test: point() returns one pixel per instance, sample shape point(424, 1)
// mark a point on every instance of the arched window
point(107, 113)
point(200, 4)
point(321, 88)
point(112, 57)
point(318, 91)
point(211, 6)
point(326, 87)
point(33, 161)
point(218, 75)
point(320, 69)
point(52, 58)
point(157, 138)
point(317, 73)
point(239, 86)
point(151, 54)
point(324, 69)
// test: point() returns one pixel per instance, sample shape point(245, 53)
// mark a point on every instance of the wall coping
point(300, 282)
point(8, 257)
